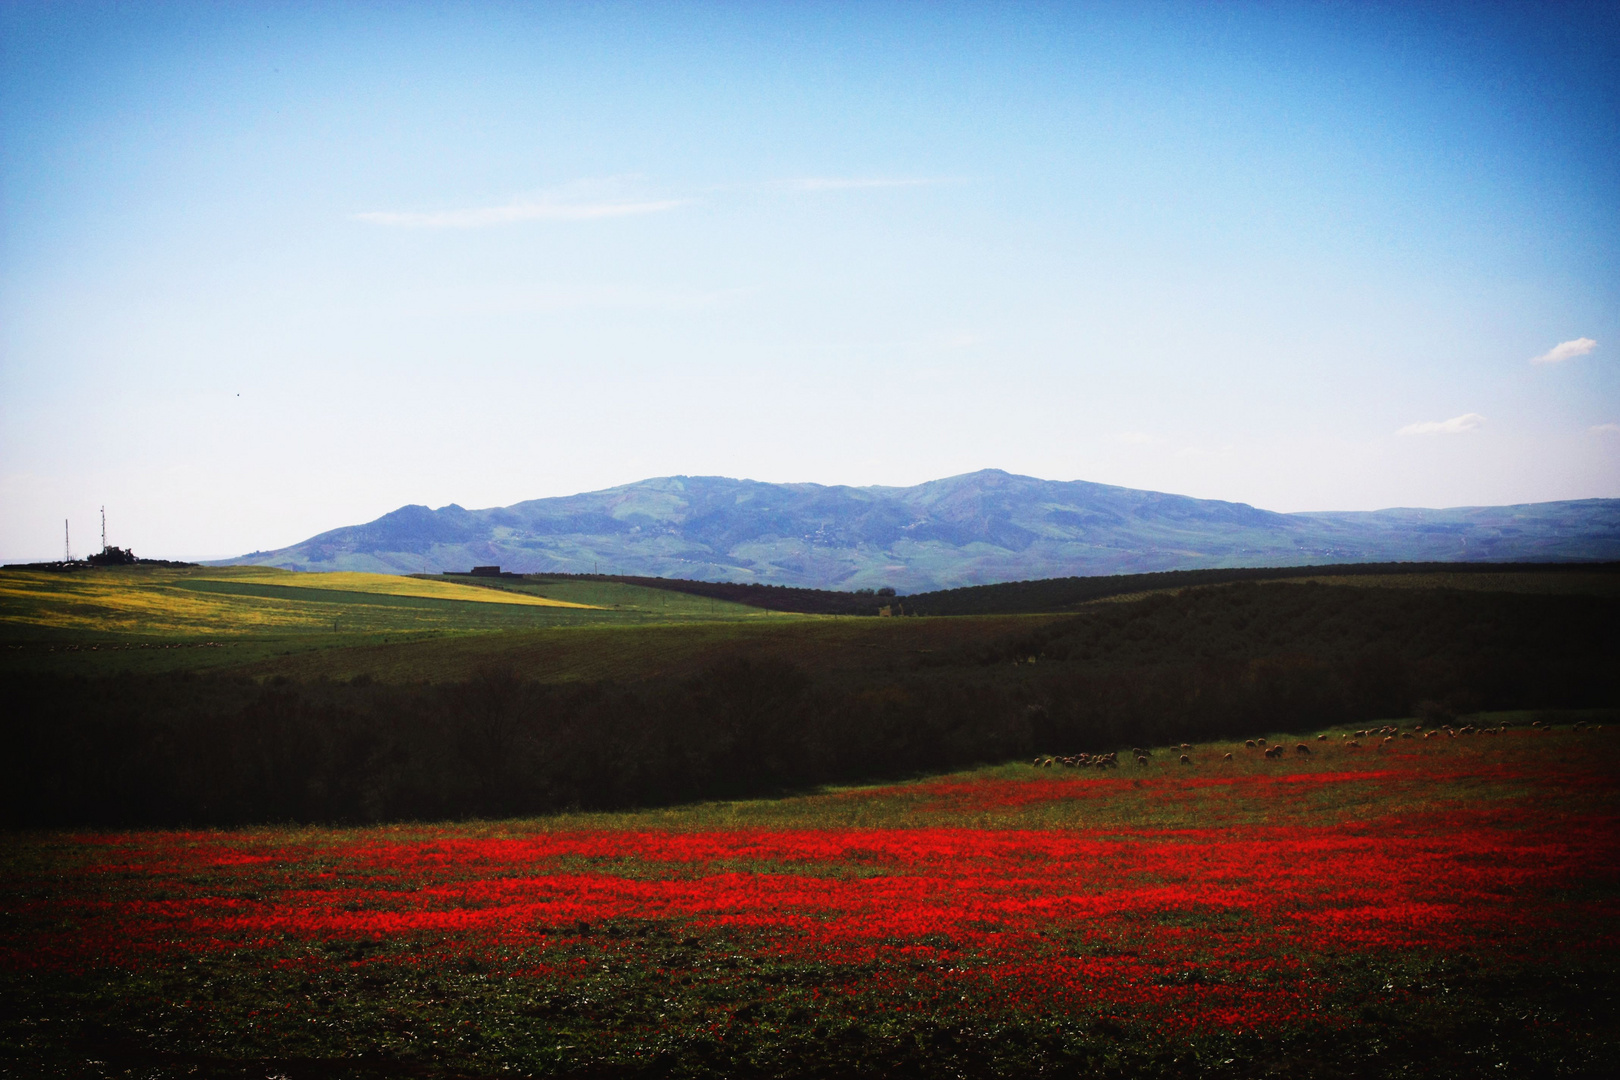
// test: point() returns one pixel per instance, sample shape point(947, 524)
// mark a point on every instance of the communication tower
point(103, 528)
point(67, 543)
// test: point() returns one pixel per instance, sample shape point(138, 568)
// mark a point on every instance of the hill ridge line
point(976, 528)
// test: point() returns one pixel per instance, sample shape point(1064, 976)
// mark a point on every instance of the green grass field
point(266, 623)
point(590, 652)
point(221, 618)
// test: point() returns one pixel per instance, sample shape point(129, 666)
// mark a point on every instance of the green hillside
point(827, 645)
point(264, 623)
point(1070, 593)
point(431, 727)
point(143, 618)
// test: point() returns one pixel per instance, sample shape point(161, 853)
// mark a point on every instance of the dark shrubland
point(1247, 658)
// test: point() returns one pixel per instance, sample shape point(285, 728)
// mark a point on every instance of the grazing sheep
point(1228, 757)
point(1249, 743)
point(1185, 760)
point(1140, 760)
point(1354, 743)
point(1302, 749)
point(1321, 738)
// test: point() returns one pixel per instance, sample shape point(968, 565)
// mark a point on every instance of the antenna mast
point(67, 544)
point(103, 528)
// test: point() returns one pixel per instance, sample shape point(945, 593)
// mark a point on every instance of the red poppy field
point(1441, 905)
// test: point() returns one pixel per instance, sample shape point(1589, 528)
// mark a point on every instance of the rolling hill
point(978, 528)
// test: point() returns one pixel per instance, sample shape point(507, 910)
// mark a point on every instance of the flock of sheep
point(1386, 734)
point(1085, 761)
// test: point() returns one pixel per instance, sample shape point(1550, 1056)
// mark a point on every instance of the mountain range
point(977, 528)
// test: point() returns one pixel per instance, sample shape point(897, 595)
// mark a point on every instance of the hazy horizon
point(267, 271)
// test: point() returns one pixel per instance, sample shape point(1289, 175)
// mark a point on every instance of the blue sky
point(266, 270)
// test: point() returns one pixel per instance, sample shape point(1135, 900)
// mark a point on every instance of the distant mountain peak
point(973, 528)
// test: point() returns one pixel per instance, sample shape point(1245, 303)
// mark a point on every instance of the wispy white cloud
point(1565, 350)
point(536, 210)
point(1457, 425)
point(589, 200)
point(484, 299)
point(850, 183)
point(1604, 429)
